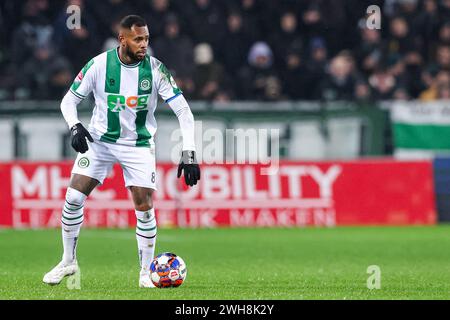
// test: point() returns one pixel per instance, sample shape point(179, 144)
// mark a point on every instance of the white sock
point(146, 237)
point(71, 221)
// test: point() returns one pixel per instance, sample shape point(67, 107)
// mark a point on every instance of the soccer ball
point(167, 270)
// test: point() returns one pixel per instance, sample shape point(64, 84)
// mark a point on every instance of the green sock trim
point(150, 229)
point(74, 218)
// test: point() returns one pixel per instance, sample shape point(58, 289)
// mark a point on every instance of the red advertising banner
point(381, 192)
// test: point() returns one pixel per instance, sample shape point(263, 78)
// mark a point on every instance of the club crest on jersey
point(83, 162)
point(145, 84)
point(117, 102)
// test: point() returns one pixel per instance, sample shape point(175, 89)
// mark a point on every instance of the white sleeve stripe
point(76, 94)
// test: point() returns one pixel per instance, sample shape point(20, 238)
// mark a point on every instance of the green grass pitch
point(310, 263)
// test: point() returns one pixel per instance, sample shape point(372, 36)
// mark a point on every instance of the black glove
point(188, 162)
point(79, 135)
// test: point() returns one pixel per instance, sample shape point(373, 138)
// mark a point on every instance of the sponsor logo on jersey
point(83, 162)
point(117, 102)
point(80, 76)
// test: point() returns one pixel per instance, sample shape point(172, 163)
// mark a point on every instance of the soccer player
point(125, 82)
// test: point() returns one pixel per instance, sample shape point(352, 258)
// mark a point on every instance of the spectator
point(46, 76)
point(156, 16)
point(444, 34)
point(252, 15)
point(383, 84)
point(441, 61)
point(339, 84)
point(297, 79)
point(79, 45)
point(286, 37)
point(438, 87)
point(206, 22)
point(311, 23)
point(317, 62)
point(443, 57)
point(338, 31)
point(112, 41)
point(176, 50)
point(362, 92)
point(233, 51)
point(401, 40)
point(411, 77)
point(401, 93)
point(409, 10)
point(369, 53)
point(35, 30)
point(209, 78)
point(116, 9)
point(411, 49)
point(444, 10)
point(427, 24)
point(255, 78)
point(273, 90)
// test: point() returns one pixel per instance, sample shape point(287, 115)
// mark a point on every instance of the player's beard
point(133, 57)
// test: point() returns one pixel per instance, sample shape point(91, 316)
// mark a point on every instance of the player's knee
point(144, 205)
point(72, 214)
point(74, 199)
point(142, 198)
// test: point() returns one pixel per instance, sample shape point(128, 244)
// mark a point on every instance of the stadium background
point(362, 116)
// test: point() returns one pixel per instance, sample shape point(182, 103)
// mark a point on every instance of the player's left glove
point(189, 164)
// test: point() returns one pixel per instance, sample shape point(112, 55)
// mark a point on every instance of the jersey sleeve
point(84, 81)
point(167, 88)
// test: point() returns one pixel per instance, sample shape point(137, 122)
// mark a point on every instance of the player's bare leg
point(145, 231)
point(71, 221)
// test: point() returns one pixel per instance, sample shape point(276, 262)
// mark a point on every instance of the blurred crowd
point(222, 50)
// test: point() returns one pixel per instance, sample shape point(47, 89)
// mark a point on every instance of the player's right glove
point(189, 164)
point(79, 135)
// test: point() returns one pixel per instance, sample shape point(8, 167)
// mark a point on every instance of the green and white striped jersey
point(125, 97)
